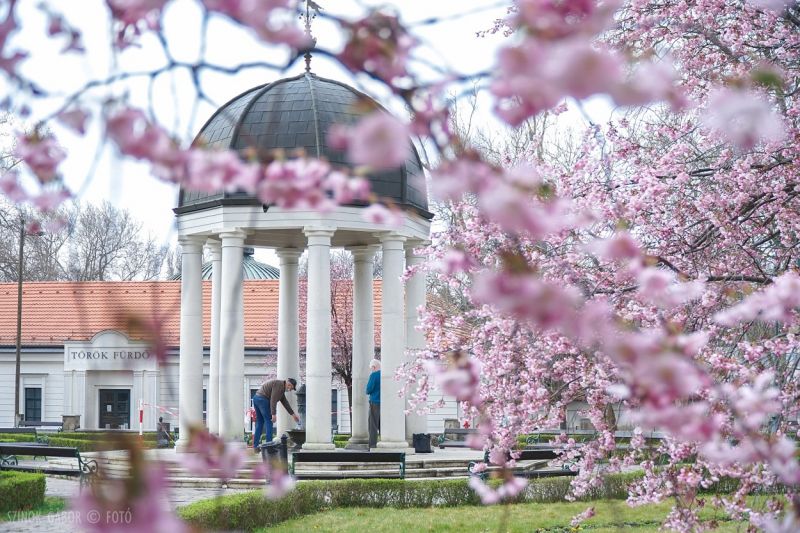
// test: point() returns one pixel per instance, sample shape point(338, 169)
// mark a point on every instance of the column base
point(400, 445)
point(181, 445)
point(357, 443)
point(318, 446)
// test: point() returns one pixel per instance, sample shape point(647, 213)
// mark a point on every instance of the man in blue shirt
point(374, 393)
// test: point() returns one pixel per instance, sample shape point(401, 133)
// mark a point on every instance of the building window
point(33, 404)
point(334, 410)
point(205, 409)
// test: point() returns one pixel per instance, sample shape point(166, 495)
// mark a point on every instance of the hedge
point(17, 437)
point(21, 490)
point(250, 510)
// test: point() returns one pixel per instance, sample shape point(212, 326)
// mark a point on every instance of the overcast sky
point(97, 174)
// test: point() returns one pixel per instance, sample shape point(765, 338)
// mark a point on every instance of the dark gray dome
point(251, 269)
point(296, 113)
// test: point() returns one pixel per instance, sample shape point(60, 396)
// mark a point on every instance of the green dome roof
point(251, 269)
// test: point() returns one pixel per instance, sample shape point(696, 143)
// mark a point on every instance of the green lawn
point(51, 505)
point(611, 515)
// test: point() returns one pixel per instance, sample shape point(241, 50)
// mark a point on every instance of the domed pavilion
point(289, 114)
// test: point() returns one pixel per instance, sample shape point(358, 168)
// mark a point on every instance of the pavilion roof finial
point(310, 4)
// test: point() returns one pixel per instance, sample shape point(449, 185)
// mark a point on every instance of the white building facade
point(104, 379)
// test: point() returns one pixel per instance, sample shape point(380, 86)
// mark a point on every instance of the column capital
point(191, 244)
point(391, 241)
point(288, 256)
point(233, 237)
point(214, 247)
point(411, 246)
point(363, 253)
point(319, 231)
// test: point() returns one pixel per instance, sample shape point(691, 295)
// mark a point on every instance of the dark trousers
point(263, 417)
point(374, 423)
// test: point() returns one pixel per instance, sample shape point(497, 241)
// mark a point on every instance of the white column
point(363, 341)
point(318, 341)
point(79, 401)
point(69, 386)
point(415, 339)
point(231, 324)
point(393, 420)
point(190, 369)
point(137, 393)
point(212, 392)
point(288, 329)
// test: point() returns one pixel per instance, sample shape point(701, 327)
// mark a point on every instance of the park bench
point(456, 442)
point(20, 430)
point(40, 424)
point(539, 454)
point(86, 467)
point(349, 457)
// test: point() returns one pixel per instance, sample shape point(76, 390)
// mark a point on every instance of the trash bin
point(270, 451)
point(422, 443)
point(276, 453)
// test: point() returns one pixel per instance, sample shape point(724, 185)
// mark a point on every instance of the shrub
point(17, 437)
point(251, 510)
point(21, 490)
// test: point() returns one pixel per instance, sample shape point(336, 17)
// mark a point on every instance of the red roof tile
point(55, 312)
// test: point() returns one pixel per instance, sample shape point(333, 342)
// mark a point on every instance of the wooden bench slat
point(37, 449)
point(27, 431)
point(349, 457)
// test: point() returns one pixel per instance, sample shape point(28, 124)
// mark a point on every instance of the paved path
point(67, 521)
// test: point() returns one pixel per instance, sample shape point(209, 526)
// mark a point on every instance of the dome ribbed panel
point(296, 114)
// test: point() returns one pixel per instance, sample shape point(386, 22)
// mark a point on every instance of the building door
point(115, 408)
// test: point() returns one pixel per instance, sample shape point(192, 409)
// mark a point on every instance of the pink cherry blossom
point(535, 76)
point(41, 154)
point(75, 119)
point(140, 500)
point(554, 20)
point(778, 302)
point(456, 261)
point(10, 186)
point(527, 297)
point(661, 288)
point(508, 490)
point(347, 189)
point(272, 20)
point(378, 141)
point(137, 137)
point(460, 378)
point(9, 60)
point(582, 516)
point(134, 17)
point(208, 455)
point(279, 484)
point(50, 199)
point(744, 118)
point(296, 183)
point(622, 246)
point(380, 214)
point(212, 171)
point(378, 44)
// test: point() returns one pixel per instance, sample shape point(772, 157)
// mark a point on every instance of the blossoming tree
point(656, 271)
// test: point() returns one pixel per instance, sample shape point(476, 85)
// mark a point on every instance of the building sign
point(108, 350)
point(108, 354)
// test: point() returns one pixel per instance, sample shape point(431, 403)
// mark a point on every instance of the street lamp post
point(22, 234)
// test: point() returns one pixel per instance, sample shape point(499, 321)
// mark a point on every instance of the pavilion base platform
point(448, 463)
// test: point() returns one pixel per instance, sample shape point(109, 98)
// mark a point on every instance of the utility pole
point(19, 320)
point(20, 270)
